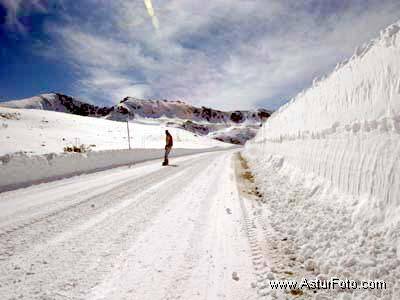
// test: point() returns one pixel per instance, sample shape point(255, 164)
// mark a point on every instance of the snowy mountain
point(329, 162)
point(60, 103)
point(199, 120)
point(235, 134)
point(180, 110)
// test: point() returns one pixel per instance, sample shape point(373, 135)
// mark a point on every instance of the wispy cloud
point(221, 53)
point(16, 7)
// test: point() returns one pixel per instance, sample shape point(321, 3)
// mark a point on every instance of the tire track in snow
point(192, 256)
point(257, 256)
point(225, 247)
point(29, 202)
point(280, 259)
point(180, 255)
point(260, 235)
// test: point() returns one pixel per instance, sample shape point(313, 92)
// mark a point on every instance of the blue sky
point(224, 54)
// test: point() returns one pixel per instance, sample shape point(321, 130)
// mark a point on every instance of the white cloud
point(225, 54)
point(112, 85)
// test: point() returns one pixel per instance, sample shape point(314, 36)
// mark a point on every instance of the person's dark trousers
point(167, 151)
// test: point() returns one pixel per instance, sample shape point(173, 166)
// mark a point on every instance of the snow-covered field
point(41, 132)
point(328, 163)
point(178, 114)
point(33, 141)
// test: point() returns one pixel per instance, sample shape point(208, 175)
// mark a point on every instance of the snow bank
point(339, 141)
point(366, 88)
point(319, 238)
point(346, 128)
point(19, 170)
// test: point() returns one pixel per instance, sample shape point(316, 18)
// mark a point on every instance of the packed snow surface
point(143, 232)
point(329, 165)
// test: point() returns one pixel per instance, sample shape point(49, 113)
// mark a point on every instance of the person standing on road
point(168, 146)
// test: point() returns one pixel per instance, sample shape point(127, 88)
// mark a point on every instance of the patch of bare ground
point(274, 256)
point(247, 183)
point(10, 116)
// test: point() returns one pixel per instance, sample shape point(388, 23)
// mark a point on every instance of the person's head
point(166, 132)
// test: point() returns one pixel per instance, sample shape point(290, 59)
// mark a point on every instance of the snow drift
point(338, 142)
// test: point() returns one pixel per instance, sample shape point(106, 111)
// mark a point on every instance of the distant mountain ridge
point(200, 120)
point(131, 108)
point(60, 103)
point(134, 107)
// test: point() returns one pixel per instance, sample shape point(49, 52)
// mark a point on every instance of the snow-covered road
point(140, 232)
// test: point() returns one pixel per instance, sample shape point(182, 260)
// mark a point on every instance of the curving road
point(140, 232)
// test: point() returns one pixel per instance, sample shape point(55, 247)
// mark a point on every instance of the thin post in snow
point(129, 137)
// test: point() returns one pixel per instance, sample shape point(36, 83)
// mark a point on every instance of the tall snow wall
point(345, 129)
